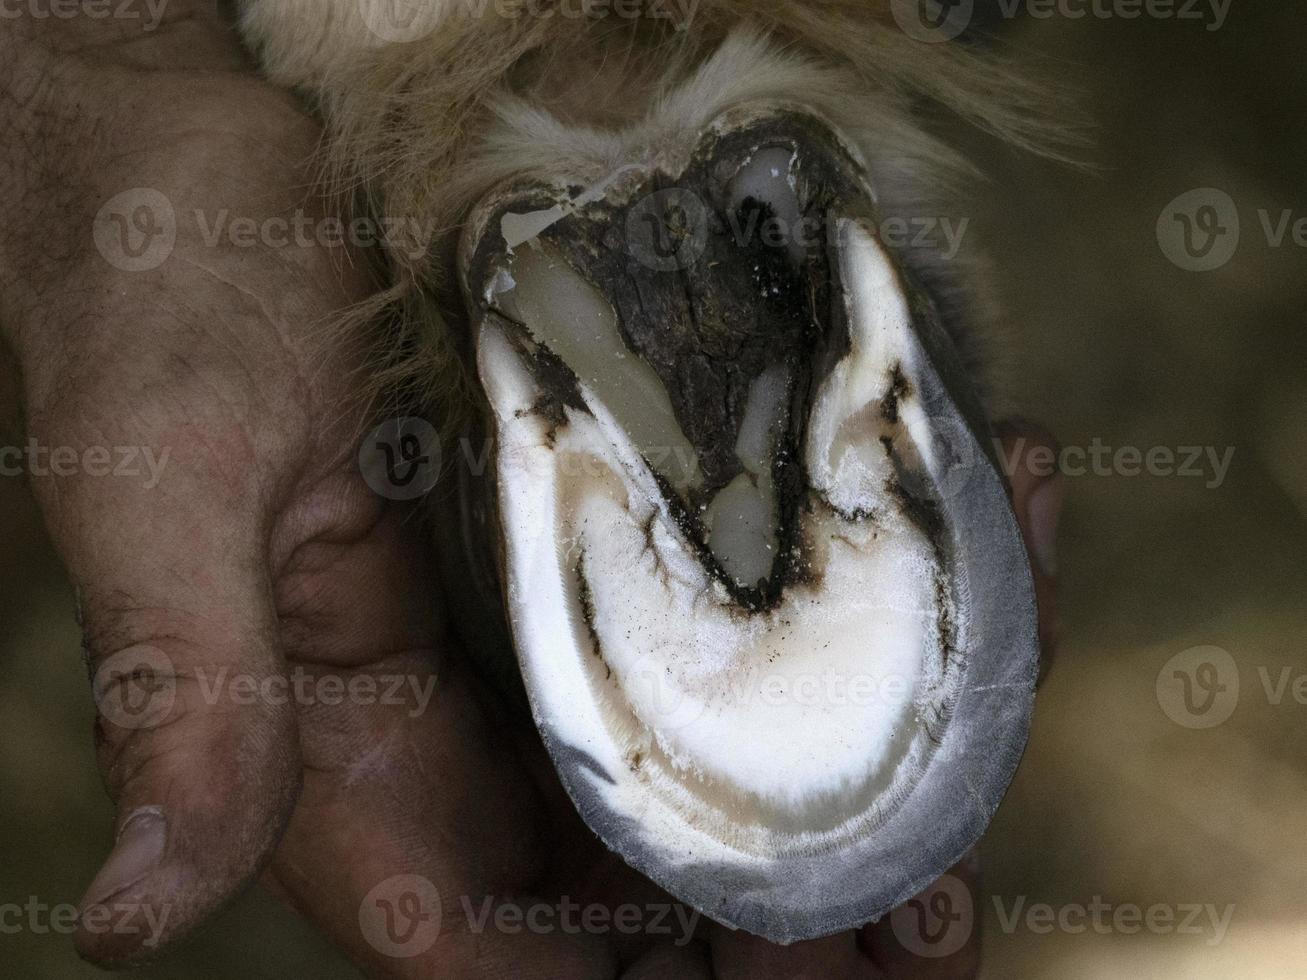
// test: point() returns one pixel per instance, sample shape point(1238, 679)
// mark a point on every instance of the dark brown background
point(1114, 799)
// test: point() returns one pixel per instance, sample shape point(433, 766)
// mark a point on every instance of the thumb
point(179, 638)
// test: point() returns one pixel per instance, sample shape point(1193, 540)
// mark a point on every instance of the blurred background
point(1167, 769)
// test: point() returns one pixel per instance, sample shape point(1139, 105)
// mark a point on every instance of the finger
point(935, 935)
point(408, 848)
point(1030, 455)
point(415, 845)
point(173, 598)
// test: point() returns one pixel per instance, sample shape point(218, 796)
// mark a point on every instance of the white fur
point(307, 42)
point(425, 124)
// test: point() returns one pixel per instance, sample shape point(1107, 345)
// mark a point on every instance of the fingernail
point(1043, 508)
point(136, 853)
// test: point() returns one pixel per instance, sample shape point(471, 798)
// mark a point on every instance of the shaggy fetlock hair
point(490, 90)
